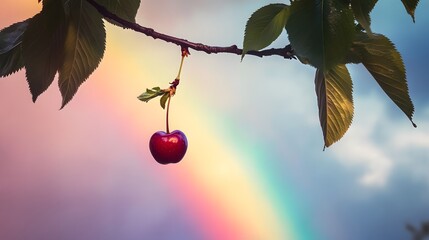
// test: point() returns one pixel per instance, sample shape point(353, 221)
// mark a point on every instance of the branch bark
point(286, 52)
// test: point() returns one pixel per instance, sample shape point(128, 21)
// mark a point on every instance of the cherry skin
point(168, 147)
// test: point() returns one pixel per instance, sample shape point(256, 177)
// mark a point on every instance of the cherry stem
point(180, 69)
point(174, 84)
point(168, 110)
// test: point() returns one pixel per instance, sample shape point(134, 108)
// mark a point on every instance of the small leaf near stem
point(164, 99)
point(152, 93)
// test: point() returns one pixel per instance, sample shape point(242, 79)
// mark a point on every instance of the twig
point(419, 234)
point(285, 52)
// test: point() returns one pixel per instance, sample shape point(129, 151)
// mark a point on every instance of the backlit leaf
point(125, 9)
point(410, 6)
point(361, 10)
point(11, 48)
point(264, 26)
point(83, 49)
point(334, 95)
point(385, 64)
point(42, 46)
point(151, 93)
point(321, 31)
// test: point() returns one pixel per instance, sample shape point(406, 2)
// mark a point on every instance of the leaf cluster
point(328, 34)
point(67, 37)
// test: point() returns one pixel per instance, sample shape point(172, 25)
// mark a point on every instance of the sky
point(255, 167)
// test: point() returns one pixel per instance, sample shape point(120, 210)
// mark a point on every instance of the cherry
point(168, 147)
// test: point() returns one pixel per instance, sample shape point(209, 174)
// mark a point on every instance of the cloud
point(378, 142)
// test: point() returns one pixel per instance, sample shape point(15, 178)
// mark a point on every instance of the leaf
point(361, 10)
point(83, 49)
point(11, 37)
point(151, 93)
point(321, 31)
point(410, 6)
point(384, 62)
point(10, 48)
point(42, 47)
point(334, 95)
point(264, 26)
point(164, 99)
point(125, 9)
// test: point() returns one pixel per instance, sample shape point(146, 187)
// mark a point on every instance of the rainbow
point(227, 184)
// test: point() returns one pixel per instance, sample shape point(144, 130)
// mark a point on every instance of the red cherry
point(168, 147)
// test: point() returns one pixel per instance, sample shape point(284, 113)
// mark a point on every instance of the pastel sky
point(254, 170)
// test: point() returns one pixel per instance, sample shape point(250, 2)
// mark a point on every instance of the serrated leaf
point(385, 64)
point(264, 26)
point(150, 94)
point(42, 47)
point(164, 99)
point(83, 49)
point(125, 9)
point(11, 49)
point(11, 37)
point(361, 10)
point(11, 62)
point(410, 6)
point(334, 95)
point(354, 55)
point(64, 4)
point(321, 31)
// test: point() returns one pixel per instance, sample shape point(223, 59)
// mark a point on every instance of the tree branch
point(285, 52)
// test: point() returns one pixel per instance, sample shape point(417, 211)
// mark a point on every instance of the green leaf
point(410, 6)
point(334, 95)
point(264, 26)
point(164, 99)
point(354, 55)
point(42, 47)
point(361, 10)
point(151, 93)
point(11, 48)
point(321, 31)
point(384, 62)
point(125, 9)
point(83, 49)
